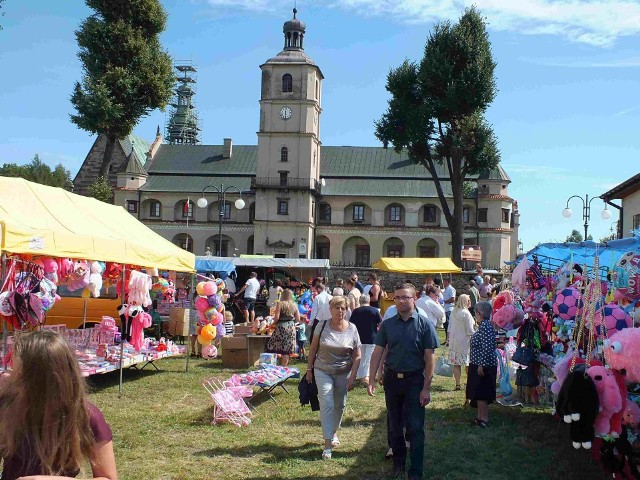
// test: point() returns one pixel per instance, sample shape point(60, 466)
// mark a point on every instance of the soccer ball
point(615, 319)
point(567, 303)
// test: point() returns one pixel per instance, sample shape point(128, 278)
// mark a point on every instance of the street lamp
point(222, 191)
point(586, 211)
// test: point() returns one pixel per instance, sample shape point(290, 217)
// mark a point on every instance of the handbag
point(523, 355)
point(505, 381)
point(526, 377)
point(443, 367)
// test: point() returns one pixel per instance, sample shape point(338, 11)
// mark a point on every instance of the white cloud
point(593, 22)
point(626, 111)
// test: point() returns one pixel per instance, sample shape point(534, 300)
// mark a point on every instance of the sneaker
point(479, 423)
point(335, 441)
point(326, 454)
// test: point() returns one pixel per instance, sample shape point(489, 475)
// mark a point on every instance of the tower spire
point(183, 126)
point(293, 32)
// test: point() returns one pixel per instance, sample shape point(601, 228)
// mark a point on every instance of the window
point(322, 250)
point(283, 179)
point(636, 221)
point(505, 215)
point(362, 256)
point(317, 88)
point(226, 211)
point(465, 214)
point(429, 214)
point(225, 248)
point(283, 207)
point(155, 209)
point(394, 251)
point(287, 83)
point(395, 213)
point(358, 213)
point(427, 252)
point(284, 154)
point(187, 210)
point(252, 213)
point(132, 206)
point(482, 214)
point(324, 213)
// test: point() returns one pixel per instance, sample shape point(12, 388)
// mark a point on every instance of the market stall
point(51, 233)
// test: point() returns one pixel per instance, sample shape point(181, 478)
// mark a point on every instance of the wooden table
point(256, 344)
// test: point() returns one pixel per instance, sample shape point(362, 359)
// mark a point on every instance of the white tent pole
point(124, 327)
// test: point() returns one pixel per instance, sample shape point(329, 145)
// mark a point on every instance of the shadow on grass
point(98, 383)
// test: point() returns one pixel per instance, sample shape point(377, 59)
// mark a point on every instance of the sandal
point(479, 423)
point(326, 454)
point(458, 387)
point(335, 441)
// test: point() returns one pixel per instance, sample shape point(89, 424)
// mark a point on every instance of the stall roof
point(214, 264)
point(41, 220)
point(417, 265)
point(271, 262)
point(552, 256)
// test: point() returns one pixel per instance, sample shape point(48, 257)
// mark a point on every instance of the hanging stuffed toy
point(578, 404)
point(50, 267)
point(95, 279)
point(139, 286)
point(622, 351)
point(79, 278)
point(140, 321)
point(613, 401)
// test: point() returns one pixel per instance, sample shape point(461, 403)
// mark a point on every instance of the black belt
point(412, 373)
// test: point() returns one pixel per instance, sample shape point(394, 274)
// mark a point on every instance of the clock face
point(285, 113)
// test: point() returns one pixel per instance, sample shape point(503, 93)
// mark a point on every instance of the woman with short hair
point(334, 359)
point(48, 428)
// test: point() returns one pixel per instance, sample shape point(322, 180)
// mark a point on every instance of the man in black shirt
point(367, 320)
point(410, 340)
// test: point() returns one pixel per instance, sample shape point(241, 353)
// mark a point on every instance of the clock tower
point(287, 183)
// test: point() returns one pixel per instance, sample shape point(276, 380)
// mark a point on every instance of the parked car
point(69, 310)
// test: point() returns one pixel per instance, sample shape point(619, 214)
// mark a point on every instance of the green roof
point(140, 147)
point(189, 183)
point(379, 187)
point(204, 160)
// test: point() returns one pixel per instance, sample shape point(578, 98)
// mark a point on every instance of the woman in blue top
point(483, 366)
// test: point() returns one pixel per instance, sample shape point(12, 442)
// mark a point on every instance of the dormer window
point(287, 83)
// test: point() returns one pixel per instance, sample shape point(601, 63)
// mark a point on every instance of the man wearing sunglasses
point(410, 341)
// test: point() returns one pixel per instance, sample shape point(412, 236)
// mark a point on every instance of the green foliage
point(101, 190)
point(436, 110)
point(576, 237)
point(126, 72)
point(468, 189)
point(39, 172)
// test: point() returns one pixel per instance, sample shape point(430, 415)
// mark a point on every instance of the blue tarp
point(552, 256)
point(214, 264)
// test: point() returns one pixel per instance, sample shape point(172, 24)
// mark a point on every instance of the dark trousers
point(402, 396)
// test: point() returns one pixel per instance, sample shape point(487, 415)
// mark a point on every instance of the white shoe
point(326, 454)
point(335, 441)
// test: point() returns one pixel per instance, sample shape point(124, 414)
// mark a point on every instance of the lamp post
point(617, 227)
point(221, 191)
point(586, 211)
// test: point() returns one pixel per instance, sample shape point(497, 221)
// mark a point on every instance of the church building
point(299, 198)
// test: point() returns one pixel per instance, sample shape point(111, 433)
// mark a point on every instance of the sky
point(566, 113)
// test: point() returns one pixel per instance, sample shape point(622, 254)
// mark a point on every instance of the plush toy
point(578, 405)
point(612, 401)
point(140, 321)
point(505, 297)
point(139, 287)
point(127, 314)
point(631, 416)
point(95, 279)
point(65, 268)
point(50, 267)
point(209, 352)
point(505, 316)
point(79, 278)
point(262, 329)
point(614, 318)
point(622, 351)
point(563, 276)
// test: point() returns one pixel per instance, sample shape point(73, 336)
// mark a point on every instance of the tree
point(101, 190)
point(126, 72)
point(576, 237)
point(436, 111)
point(39, 172)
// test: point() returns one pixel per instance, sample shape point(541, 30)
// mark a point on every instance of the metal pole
point(124, 327)
point(5, 328)
point(585, 215)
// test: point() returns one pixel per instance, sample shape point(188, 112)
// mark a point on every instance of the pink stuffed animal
point(79, 278)
point(622, 351)
point(631, 415)
point(50, 269)
point(613, 402)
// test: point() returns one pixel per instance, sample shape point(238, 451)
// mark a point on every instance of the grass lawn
point(162, 430)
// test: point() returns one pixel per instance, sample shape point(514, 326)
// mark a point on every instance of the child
point(228, 323)
point(301, 336)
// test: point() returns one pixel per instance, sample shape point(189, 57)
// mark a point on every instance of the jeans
point(402, 396)
point(332, 394)
point(365, 361)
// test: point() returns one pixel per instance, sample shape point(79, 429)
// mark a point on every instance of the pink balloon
point(217, 320)
point(209, 288)
point(202, 304)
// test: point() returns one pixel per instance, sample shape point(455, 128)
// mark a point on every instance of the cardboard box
point(177, 327)
point(235, 342)
point(241, 329)
point(179, 314)
point(234, 358)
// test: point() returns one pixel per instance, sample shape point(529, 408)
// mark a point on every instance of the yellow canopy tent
point(420, 266)
point(40, 220)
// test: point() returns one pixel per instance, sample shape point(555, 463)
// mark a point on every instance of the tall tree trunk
point(106, 158)
point(457, 225)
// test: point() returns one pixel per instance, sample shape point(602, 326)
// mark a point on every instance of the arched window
point(317, 88)
point(287, 83)
point(284, 154)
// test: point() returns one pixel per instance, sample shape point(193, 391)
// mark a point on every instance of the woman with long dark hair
point(47, 425)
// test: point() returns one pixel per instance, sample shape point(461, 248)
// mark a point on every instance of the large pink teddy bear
point(613, 401)
point(622, 352)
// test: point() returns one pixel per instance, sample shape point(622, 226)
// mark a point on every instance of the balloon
point(214, 300)
point(220, 332)
point(626, 275)
point(209, 288)
point(209, 352)
point(208, 332)
point(200, 288)
point(220, 283)
point(217, 320)
point(203, 341)
point(202, 304)
point(210, 314)
point(220, 307)
point(201, 316)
